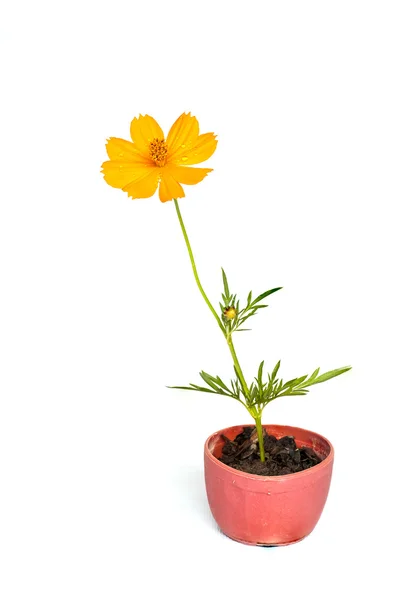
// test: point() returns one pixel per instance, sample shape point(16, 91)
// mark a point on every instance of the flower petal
point(201, 151)
point(119, 149)
point(124, 174)
point(145, 186)
point(169, 187)
point(182, 135)
point(143, 131)
point(188, 175)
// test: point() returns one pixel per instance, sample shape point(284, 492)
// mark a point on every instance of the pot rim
point(325, 462)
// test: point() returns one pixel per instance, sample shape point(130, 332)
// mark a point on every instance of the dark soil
point(282, 457)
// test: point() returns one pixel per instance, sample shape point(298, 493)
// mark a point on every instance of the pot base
point(261, 544)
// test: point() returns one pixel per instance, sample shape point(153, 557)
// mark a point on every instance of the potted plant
point(266, 485)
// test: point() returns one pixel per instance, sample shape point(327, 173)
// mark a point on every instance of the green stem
point(237, 365)
point(217, 318)
point(195, 272)
point(259, 429)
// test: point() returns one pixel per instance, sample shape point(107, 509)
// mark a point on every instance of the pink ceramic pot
point(267, 511)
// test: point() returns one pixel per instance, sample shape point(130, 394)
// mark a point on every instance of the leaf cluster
point(250, 309)
point(262, 392)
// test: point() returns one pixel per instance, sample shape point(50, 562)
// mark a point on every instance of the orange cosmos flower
point(138, 167)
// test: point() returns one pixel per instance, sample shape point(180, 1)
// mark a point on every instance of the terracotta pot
point(267, 511)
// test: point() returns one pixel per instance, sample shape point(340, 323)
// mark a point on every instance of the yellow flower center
point(230, 312)
point(158, 151)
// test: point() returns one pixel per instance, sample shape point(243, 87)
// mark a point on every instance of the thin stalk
point(217, 318)
point(195, 272)
point(237, 365)
point(259, 429)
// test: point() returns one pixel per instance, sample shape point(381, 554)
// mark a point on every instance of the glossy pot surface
point(267, 511)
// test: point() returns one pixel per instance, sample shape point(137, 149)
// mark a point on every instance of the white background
point(314, 188)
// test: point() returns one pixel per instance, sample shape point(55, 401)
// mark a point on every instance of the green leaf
point(268, 293)
point(276, 369)
point(315, 373)
point(193, 388)
point(330, 374)
point(295, 382)
point(312, 377)
point(260, 374)
point(225, 282)
point(259, 306)
point(209, 380)
point(179, 387)
point(250, 314)
point(249, 298)
point(222, 384)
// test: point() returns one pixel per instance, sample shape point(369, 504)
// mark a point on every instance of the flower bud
point(229, 313)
